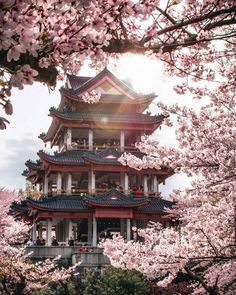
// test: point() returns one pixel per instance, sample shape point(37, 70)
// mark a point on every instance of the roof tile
point(113, 198)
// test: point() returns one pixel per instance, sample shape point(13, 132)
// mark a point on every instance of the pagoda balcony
point(85, 192)
point(97, 147)
point(87, 255)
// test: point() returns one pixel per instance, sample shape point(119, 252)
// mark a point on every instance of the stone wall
point(89, 256)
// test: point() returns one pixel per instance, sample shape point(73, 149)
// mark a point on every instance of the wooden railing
point(85, 192)
point(96, 147)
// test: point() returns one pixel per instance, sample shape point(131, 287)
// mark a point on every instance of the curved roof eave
point(104, 75)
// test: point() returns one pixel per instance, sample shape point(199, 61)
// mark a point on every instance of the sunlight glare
point(145, 74)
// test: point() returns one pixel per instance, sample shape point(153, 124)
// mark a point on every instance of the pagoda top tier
point(117, 108)
point(111, 89)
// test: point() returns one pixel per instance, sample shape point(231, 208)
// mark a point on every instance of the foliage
point(66, 287)
point(204, 246)
point(112, 281)
point(128, 282)
point(108, 281)
point(196, 40)
point(90, 281)
point(41, 40)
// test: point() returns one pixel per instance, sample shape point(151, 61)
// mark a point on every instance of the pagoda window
point(104, 138)
point(108, 180)
point(65, 135)
point(139, 180)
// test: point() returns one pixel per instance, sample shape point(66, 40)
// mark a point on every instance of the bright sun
point(145, 74)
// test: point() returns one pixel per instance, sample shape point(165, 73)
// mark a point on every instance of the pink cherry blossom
point(18, 273)
point(91, 97)
point(204, 234)
point(187, 35)
point(196, 42)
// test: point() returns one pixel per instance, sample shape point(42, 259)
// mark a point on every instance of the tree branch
point(183, 23)
point(123, 46)
point(201, 281)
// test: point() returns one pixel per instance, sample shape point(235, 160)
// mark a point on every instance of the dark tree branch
point(210, 290)
point(194, 20)
point(123, 46)
point(171, 19)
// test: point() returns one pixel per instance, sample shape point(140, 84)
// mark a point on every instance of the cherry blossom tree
point(18, 275)
point(43, 39)
point(203, 245)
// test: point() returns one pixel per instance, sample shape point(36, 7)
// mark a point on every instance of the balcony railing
point(96, 147)
point(85, 192)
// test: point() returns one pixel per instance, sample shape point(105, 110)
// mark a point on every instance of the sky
point(20, 142)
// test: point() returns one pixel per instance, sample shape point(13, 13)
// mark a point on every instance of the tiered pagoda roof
point(86, 204)
point(124, 106)
point(104, 159)
point(121, 118)
point(34, 170)
point(120, 109)
point(77, 86)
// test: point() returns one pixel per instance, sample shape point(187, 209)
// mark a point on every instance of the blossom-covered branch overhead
point(42, 40)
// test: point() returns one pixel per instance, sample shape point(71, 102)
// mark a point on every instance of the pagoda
point(86, 191)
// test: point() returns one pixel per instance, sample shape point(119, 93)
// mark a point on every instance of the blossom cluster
point(55, 37)
point(202, 242)
point(91, 97)
point(17, 271)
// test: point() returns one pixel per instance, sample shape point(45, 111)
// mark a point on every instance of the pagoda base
point(87, 255)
